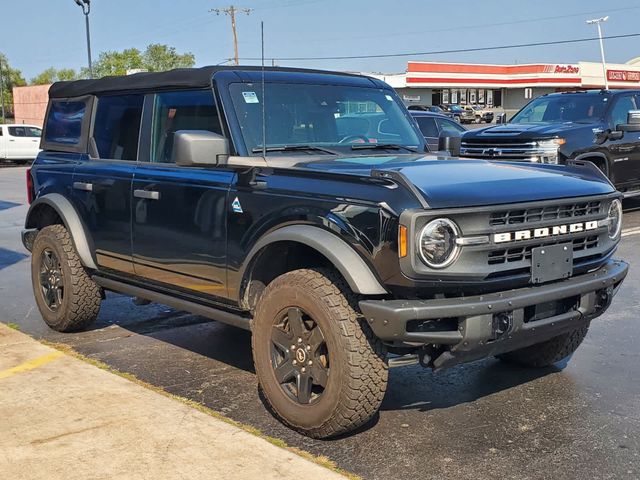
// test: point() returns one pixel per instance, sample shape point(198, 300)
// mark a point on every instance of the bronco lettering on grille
point(544, 232)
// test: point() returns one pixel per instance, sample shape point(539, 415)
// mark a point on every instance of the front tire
point(320, 368)
point(68, 299)
point(547, 353)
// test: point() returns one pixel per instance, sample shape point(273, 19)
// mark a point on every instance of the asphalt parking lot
point(482, 420)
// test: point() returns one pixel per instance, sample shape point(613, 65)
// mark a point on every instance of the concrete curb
point(64, 418)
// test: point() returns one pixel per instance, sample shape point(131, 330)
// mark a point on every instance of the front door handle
point(87, 187)
point(148, 194)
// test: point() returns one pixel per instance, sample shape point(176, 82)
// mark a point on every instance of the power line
point(439, 52)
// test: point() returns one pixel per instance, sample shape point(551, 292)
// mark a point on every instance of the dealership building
point(506, 87)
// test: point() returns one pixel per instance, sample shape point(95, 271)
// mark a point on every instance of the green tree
point(116, 63)
point(160, 58)
point(12, 77)
point(51, 75)
point(156, 58)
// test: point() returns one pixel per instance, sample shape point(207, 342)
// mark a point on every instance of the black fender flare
point(348, 262)
point(72, 222)
point(587, 155)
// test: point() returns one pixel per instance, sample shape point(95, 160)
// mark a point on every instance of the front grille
point(531, 215)
point(517, 254)
point(525, 151)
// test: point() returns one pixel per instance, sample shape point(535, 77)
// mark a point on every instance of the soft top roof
point(173, 79)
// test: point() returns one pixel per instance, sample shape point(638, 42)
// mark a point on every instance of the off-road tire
point(547, 353)
point(82, 296)
point(358, 372)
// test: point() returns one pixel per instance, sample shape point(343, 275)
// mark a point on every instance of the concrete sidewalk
point(62, 418)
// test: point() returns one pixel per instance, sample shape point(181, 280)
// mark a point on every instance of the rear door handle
point(148, 194)
point(87, 187)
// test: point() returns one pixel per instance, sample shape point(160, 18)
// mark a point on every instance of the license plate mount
point(553, 262)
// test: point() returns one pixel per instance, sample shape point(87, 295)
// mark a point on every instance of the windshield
point(569, 107)
point(335, 116)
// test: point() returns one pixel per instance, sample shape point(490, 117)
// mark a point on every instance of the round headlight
point(615, 218)
point(437, 245)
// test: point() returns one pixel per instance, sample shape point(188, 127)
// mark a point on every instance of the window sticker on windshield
point(389, 97)
point(250, 97)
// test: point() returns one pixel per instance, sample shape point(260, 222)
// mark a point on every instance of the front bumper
point(483, 325)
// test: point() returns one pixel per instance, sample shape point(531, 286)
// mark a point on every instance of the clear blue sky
point(42, 33)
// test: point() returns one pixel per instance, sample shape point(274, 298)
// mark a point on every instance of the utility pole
point(598, 22)
point(231, 11)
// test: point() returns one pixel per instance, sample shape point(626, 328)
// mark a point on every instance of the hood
point(447, 182)
point(525, 131)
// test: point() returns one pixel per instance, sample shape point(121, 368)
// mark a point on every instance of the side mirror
point(193, 148)
point(501, 118)
point(633, 122)
point(450, 142)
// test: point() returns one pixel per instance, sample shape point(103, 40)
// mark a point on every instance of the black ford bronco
point(599, 126)
point(301, 205)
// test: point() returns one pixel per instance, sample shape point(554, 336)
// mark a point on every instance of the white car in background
point(19, 143)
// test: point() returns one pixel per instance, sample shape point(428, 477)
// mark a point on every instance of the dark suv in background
point(602, 127)
point(301, 205)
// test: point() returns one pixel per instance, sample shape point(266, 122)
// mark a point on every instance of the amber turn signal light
point(402, 241)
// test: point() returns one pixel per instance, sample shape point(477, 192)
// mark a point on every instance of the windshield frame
point(557, 95)
point(222, 84)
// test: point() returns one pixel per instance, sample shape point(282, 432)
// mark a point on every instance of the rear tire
point(346, 371)
point(68, 299)
point(547, 353)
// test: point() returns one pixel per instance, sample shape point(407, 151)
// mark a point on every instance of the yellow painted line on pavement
point(31, 364)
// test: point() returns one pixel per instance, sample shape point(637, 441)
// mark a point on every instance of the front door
point(625, 153)
point(102, 183)
point(180, 213)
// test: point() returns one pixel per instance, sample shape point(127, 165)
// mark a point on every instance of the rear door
point(625, 153)
point(102, 183)
point(180, 213)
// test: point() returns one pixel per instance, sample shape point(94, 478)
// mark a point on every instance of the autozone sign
point(623, 76)
point(544, 232)
point(566, 69)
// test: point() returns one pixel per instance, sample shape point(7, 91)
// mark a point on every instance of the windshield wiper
point(381, 146)
point(293, 148)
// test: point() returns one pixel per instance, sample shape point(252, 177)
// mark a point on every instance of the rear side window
point(64, 122)
point(116, 126)
point(174, 111)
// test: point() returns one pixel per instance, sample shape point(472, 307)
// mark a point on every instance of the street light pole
point(86, 9)
point(598, 22)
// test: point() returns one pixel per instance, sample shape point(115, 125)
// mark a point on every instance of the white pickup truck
point(19, 143)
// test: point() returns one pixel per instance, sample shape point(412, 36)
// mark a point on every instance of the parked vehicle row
point(460, 113)
point(598, 126)
point(19, 143)
point(266, 200)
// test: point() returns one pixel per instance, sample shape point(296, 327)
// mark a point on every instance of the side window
point(64, 122)
point(116, 127)
point(620, 110)
point(174, 111)
point(33, 132)
point(17, 131)
point(447, 126)
point(427, 126)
